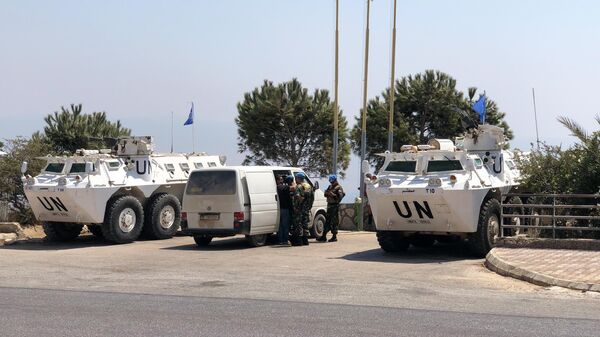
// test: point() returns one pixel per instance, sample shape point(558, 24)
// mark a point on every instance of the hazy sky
point(140, 60)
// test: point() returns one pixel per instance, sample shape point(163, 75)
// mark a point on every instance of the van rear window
point(212, 183)
point(402, 166)
point(444, 165)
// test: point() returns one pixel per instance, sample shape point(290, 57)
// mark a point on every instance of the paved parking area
point(351, 271)
point(575, 269)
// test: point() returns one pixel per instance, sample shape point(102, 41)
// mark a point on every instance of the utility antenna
point(171, 131)
point(537, 135)
point(392, 90)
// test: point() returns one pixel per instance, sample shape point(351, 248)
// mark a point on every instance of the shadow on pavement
point(84, 241)
point(415, 255)
point(238, 242)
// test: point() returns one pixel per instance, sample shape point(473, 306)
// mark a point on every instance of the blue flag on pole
point(479, 107)
point(190, 119)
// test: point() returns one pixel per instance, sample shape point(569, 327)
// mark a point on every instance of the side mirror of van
point(24, 167)
point(365, 166)
point(316, 185)
point(89, 167)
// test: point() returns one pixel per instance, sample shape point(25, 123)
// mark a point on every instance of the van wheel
point(163, 217)
point(202, 240)
point(123, 219)
point(488, 229)
point(392, 242)
point(256, 240)
point(316, 231)
point(61, 231)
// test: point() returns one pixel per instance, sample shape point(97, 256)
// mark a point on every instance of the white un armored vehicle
point(119, 193)
point(443, 190)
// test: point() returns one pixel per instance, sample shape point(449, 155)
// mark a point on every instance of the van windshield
point(54, 167)
point(211, 183)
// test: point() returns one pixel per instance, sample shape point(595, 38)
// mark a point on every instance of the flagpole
point(193, 139)
point(363, 138)
point(336, 108)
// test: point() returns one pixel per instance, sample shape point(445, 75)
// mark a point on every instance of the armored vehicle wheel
point(391, 241)
point(202, 240)
point(318, 226)
point(123, 219)
point(61, 231)
point(163, 216)
point(95, 230)
point(488, 228)
point(256, 240)
point(422, 241)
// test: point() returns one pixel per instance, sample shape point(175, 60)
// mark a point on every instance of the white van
point(225, 201)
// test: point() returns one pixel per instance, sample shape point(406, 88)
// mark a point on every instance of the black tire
point(257, 240)
point(488, 229)
point(61, 231)
point(316, 231)
point(96, 230)
point(163, 217)
point(392, 242)
point(202, 240)
point(422, 241)
point(128, 210)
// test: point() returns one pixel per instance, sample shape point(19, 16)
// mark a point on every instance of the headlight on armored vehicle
point(30, 181)
point(62, 181)
point(385, 182)
point(435, 182)
point(453, 179)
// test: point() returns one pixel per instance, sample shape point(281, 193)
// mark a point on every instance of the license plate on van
point(209, 216)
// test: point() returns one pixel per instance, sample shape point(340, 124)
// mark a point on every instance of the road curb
point(496, 264)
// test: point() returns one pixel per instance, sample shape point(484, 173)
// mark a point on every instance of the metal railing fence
point(556, 212)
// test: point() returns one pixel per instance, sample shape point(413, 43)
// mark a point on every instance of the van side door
point(263, 202)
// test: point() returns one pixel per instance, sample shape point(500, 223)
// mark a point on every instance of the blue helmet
point(332, 178)
point(288, 179)
point(300, 175)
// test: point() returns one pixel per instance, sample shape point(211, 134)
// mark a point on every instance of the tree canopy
point(70, 129)
point(285, 125)
point(426, 106)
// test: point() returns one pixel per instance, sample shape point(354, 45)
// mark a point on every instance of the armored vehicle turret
point(442, 190)
point(118, 193)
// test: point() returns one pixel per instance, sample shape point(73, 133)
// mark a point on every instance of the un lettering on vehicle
point(54, 206)
point(415, 212)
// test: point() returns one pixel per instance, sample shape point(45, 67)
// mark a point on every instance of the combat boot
point(322, 238)
point(295, 241)
point(305, 240)
point(333, 238)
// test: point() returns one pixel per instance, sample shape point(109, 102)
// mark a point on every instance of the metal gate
point(541, 213)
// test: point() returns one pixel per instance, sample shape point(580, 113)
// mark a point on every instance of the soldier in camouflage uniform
point(301, 216)
point(334, 194)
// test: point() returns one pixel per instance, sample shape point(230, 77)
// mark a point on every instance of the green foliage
point(284, 125)
point(70, 129)
point(11, 188)
point(554, 170)
point(426, 106)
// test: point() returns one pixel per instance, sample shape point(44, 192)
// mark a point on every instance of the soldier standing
point(334, 194)
point(301, 215)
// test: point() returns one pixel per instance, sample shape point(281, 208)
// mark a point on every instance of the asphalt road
point(35, 312)
point(350, 288)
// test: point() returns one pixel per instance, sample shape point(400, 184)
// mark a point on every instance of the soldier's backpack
point(309, 194)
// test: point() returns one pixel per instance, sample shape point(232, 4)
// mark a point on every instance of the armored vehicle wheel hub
point(167, 217)
point(127, 220)
point(493, 228)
